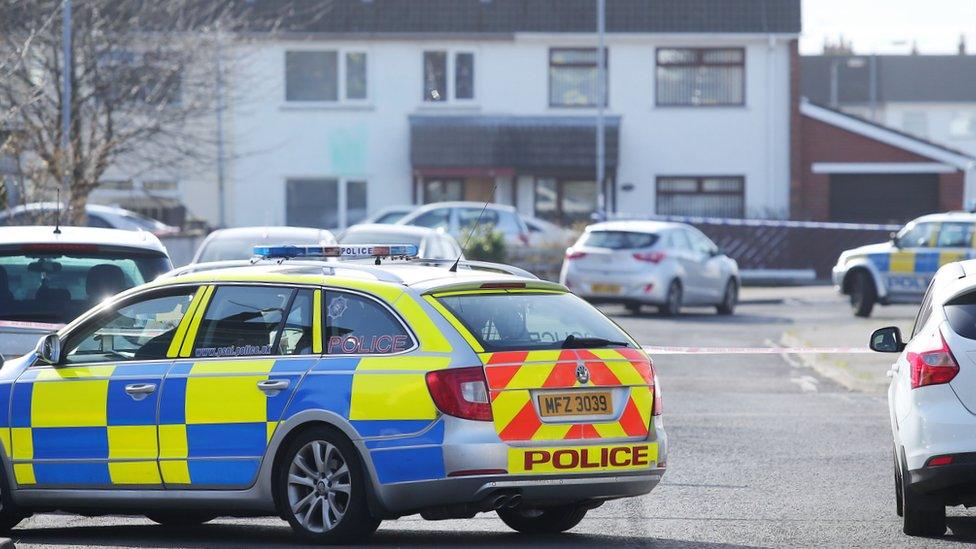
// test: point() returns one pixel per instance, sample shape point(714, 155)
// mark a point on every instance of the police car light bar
point(342, 252)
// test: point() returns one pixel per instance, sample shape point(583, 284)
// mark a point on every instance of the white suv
point(932, 401)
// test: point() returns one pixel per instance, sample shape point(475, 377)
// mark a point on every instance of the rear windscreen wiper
point(573, 342)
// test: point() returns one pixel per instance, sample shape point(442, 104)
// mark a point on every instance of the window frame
point(99, 313)
point(560, 218)
point(699, 184)
point(342, 89)
point(596, 66)
point(699, 62)
point(327, 290)
point(450, 69)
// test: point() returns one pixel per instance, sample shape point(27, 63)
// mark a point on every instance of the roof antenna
point(476, 226)
point(57, 222)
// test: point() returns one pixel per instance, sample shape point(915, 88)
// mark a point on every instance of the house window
point(325, 76)
point(451, 190)
point(324, 203)
point(698, 77)
point(701, 196)
point(565, 202)
point(963, 125)
point(446, 71)
point(573, 77)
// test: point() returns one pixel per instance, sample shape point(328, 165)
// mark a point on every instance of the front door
point(91, 420)
point(243, 357)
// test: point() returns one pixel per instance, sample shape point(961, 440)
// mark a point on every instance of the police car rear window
point(525, 321)
point(619, 240)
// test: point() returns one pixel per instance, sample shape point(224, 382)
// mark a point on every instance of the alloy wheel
point(319, 486)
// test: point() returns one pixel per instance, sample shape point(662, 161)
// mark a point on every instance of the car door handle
point(139, 391)
point(272, 387)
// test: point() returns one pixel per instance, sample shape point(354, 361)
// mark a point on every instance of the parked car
point(47, 278)
point(431, 243)
point(388, 215)
point(899, 271)
point(238, 243)
point(637, 263)
point(456, 218)
point(105, 217)
point(931, 399)
point(545, 233)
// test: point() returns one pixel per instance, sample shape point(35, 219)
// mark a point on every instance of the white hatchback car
point(637, 263)
point(932, 402)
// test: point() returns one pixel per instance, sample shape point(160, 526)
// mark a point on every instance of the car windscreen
point(619, 240)
point(530, 321)
point(228, 249)
point(44, 283)
point(390, 217)
point(379, 237)
point(961, 313)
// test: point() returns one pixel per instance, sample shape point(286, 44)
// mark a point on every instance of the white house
point(385, 102)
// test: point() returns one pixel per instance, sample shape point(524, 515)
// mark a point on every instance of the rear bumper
point(648, 287)
point(947, 480)
point(454, 497)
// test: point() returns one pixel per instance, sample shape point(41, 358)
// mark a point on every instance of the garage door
point(882, 198)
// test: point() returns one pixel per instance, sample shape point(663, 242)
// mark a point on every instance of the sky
point(890, 26)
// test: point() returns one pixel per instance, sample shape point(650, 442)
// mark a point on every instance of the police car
point(899, 271)
point(334, 395)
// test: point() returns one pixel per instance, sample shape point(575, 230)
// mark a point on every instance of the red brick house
point(847, 168)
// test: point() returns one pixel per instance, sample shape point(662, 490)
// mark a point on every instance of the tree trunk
point(76, 214)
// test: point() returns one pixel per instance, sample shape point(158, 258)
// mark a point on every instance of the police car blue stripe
point(172, 409)
point(232, 472)
point(926, 262)
point(21, 405)
point(226, 439)
point(341, 364)
point(5, 393)
point(409, 464)
point(322, 392)
point(70, 442)
point(297, 366)
point(389, 427)
point(136, 369)
point(434, 435)
point(181, 368)
point(72, 473)
point(122, 409)
point(881, 261)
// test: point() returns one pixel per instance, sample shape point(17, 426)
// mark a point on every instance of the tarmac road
point(765, 452)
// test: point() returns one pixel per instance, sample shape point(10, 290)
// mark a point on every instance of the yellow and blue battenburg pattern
point(911, 271)
point(207, 424)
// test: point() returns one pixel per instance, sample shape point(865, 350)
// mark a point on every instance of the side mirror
point(887, 340)
point(49, 349)
point(894, 239)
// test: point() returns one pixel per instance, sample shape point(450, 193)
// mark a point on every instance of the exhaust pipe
point(514, 501)
point(500, 501)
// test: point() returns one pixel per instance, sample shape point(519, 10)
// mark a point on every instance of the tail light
point(650, 257)
point(572, 254)
point(939, 461)
point(933, 367)
point(461, 392)
point(657, 408)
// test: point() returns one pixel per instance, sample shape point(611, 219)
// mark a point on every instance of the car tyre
point(550, 520)
point(923, 515)
point(10, 513)
point(863, 294)
point(729, 299)
point(672, 303)
point(321, 488)
point(180, 519)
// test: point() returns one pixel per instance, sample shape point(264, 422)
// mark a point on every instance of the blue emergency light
point(357, 251)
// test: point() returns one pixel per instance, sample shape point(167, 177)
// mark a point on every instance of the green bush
point(484, 244)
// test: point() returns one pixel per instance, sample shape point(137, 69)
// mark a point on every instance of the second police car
point(900, 270)
point(333, 395)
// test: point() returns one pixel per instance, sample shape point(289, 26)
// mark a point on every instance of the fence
point(784, 250)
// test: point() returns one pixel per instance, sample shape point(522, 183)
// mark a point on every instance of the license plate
point(606, 288)
point(588, 403)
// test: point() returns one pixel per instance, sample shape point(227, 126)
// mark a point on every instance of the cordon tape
point(665, 350)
